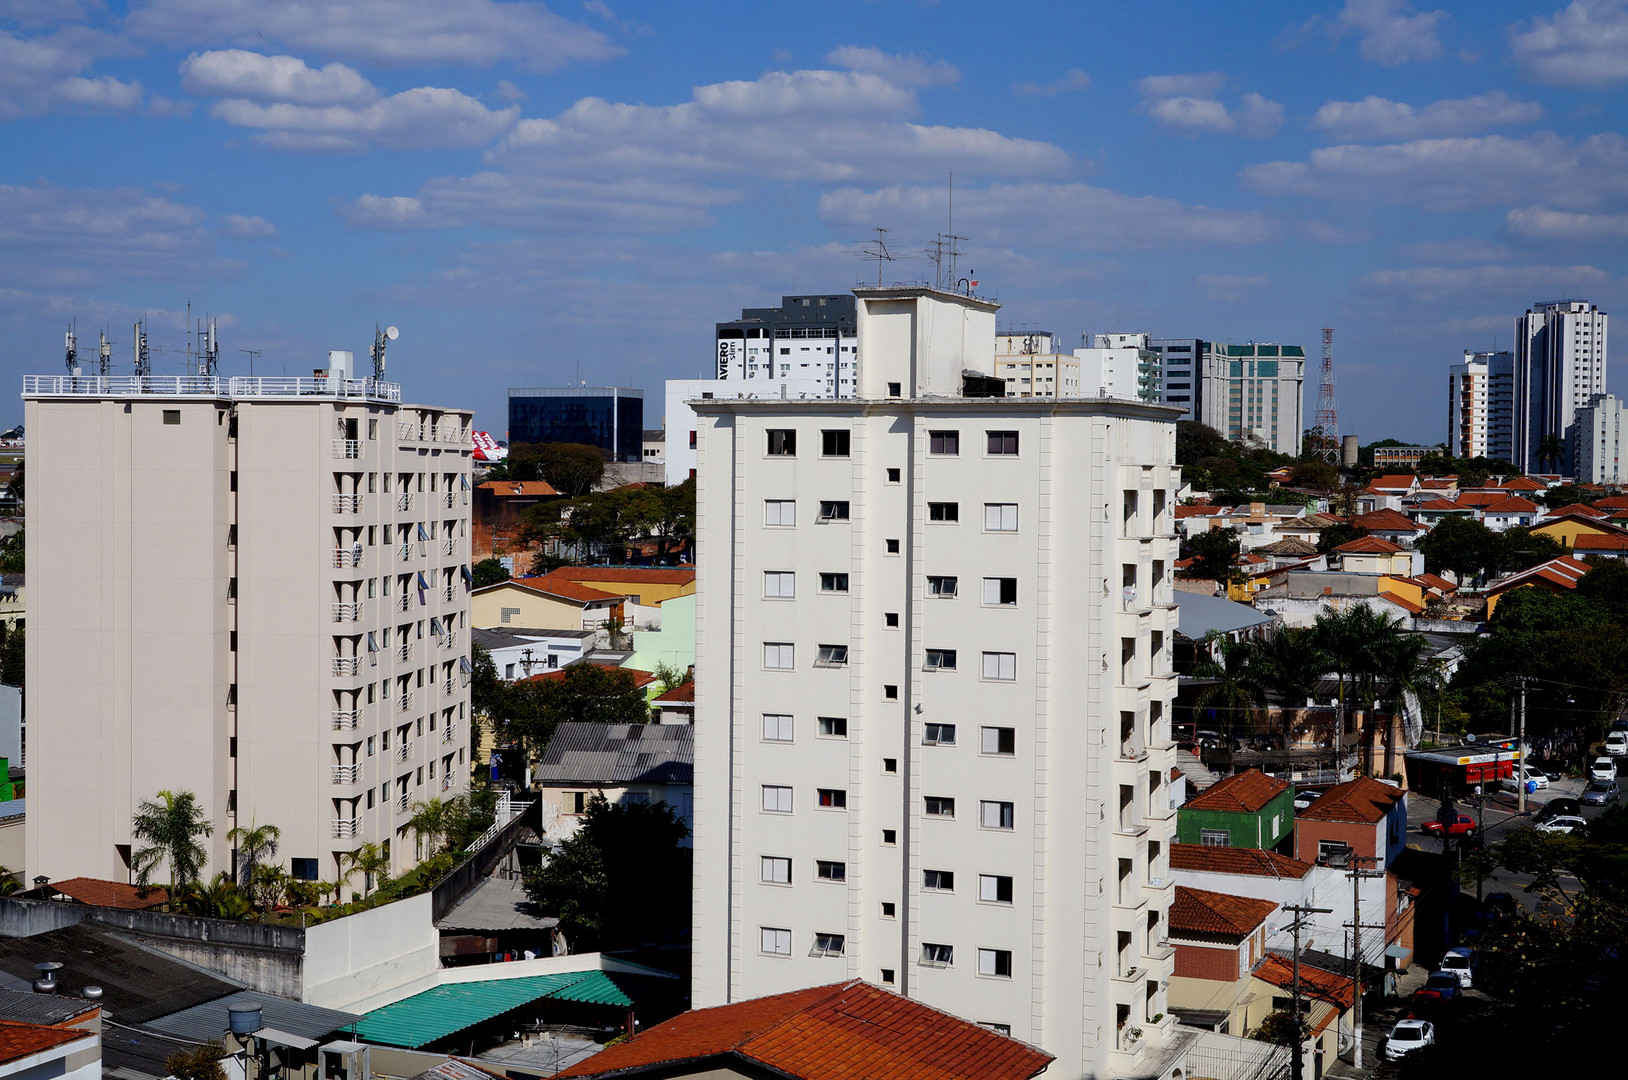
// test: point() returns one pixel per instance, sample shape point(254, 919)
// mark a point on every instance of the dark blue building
point(609, 417)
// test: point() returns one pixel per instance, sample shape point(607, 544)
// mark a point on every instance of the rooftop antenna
point(381, 338)
point(1327, 437)
point(875, 250)
point(252, 354)
point(104, 355)
point(72, 339)
point(208, 349)
point(139, 347)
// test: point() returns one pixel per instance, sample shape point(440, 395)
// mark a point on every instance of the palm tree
point(9, 881)
point(253, 844)
point(1291, 662)
point(429, 823)
point(1352, 640)
point(370, 861)
point(171, 827)
point(1551, 450)
point(1405, 669)
point(1231, 679)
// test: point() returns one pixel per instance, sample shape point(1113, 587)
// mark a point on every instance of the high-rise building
point(1480, 406)
point(806, 337)
point(1253, 391)
point(1560, 357)
point(1597, 438)
point(1113, 366)
point(608, 417)
point(250, 589)
point(933, 694)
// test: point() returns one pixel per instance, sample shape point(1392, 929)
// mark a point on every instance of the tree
point(429, 824)
point(1519, 549)
point(1289, 664)
point(11, 553)
point(1461, 546)
point(488, 572)
point(468, 816)
point(600, 881)
point(571, 468)
point(13, 655)
point(171, 827)
point(1341, 532)
point(200, 1062)
point(1351, 640)
point(1214, 555)
point(670, 677)
point(368, 859)
point(486, 689)
point(1551, 450)
point(1316, 474)
point(1405, 668)
point(674, 523)
point(588, 693)
point(1279, 1027)
point(1228, 682)
point(253, 844)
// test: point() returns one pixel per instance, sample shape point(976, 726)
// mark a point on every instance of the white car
point(1510, 783)
point(1407, 1036)
point(1604, 768)
point(1616, 743)
point(1565, 823)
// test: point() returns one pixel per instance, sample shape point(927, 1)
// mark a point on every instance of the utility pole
point(1298, 1049)
point(1357, 874)
point(1520, 749)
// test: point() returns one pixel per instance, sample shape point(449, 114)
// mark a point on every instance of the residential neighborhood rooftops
point(1368, 545)
point(1574, 510)
point(1511, 504)
point(1244, 792)
point(1198, 615)
point(1314, 982)
point(1289, 545)
point(1232, 860)
point(653, 575)
point(1387, 520)
point(678, 693)
point(208, 1020)
point(619, 754)
point(845, 1031)
point(1400, 482)
point(557, 584)
point(19, 1041)
point(1402, 602)
point(112, 894)
point(1363, 799)
point(1563, 571)
point(522, 488)
point(1200, 911)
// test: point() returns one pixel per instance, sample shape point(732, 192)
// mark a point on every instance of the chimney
point(46, 983)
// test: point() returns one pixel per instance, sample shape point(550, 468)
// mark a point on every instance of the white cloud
point(1542, 223)
point(1381, 118)
point(237, 73)
point(1456, 251)
point(1390, 31)
point(1428, 284)
point(1585, 44)
point(1254, 116)
point(404, 32)
point(546, 204)
point(1072, 79)
point(912, 70)
point(254, 228)
point(1231, 288)
point(420, 119)
point(40, 74)
point(1201, 84)
point(75, 236)
point(36, 13)
point(1455, 174)
point(105, 92)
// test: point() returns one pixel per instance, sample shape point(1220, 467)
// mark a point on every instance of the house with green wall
point(1248, 810)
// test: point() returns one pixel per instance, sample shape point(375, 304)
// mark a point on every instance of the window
point(890, 764)
point(1003, 442)
point(827, 945)
point(995, 815)
point(999, 1029)
point(890, 692)
point(303, 869)
point(830, 871)
point(834, 727)
point(995, 962)
point(887, 977)
point(834, 443)
point(894, 389)
point(944, 442)
point(777, 656)
point(508, 614)
point(939, 806)
point(172, 417)
point(940, 660)
point(938, 880)
point(776, 727)
point(833, 798)
point(776, 799)
point(889, 909)
point(834, 510)
point(781, 512)
point(941, 586)
point(890, 837)
point(890, 620)
point(1000, 517)
point(776, 941)
point(832, 656)
point(774, 870)
point(1000, 590)
point(892, 547)
point(937, 955)
point(997, 740)
point(1000, 666)
point(943, 511)
point(1215, 837)
point(938, 735)
point(994, 889)
point(833, 582)
point(782, 442)
point(779, 584)
point(893, 476)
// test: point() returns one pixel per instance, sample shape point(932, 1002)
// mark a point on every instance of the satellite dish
point(392, 333)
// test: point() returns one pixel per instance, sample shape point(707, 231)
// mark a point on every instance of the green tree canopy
point(585, 693)
point(488, 572)
point(171, 827)
point(1214, 554)
point(1461, 546)
point(1341, 532)
point(571, 468)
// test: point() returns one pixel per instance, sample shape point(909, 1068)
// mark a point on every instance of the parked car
point(1616, 743)
point(1536, 779)
point(1604, 768)
point(1441, 988)
point(1462, 825)
point(1559, 807)
point(1563, 823)
point(1600, 792)
point(1408, 1035)
point(1461, 962)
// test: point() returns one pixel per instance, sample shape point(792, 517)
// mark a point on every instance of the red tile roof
point(641, 679)
point(18, 1040)
point(559, 587)
point(679, 693)
point(522, 488)
point(1575, 508)
point(113, 894)
point(1361, 800)
point(1246, 792)
point(1513, 504)
point(1393, 483)
point(644, 575)
point(1402, 602)
point(1440, 504)
point(1435, 581)
point(1562, 572)
point(846, 1031)
point(1387, 521)
point(1196, 511)
point(1600, 542)
point(1369, 545)
point(1446, 483)
point(1236, 860)
point(1199, 911)
point(1314, 982)
point(1521, 483)
point(1481, 498)
point(1612, 502)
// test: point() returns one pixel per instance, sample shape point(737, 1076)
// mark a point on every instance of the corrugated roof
point(496, 904)
point(137, 984)
point(1200, 911)
point(1198, 614)
point(207, 1021)
point(1245, 792)
point(31, 1008)
point(1231, 860)
point(441, 1011)
point(619, 754)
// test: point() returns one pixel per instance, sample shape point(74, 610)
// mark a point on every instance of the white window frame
point(989, 963)
point(1000, 667)
point(777, 799)
point(992, 812)
point(937, 954)
point(779, 513)
point(1216, 838)
point(830, 721)
point(950, 510)
point(779, 656)
point(941, 592)
point(989, 741)
point(992, 592)
point(774, 869)
point(944, 801)
point(829, 580)
point(837, 793)
point(989, 888)
point(833, 505)
point(777, 727)
point(779, 585)
point(831, 945)
point(832, 870)
point(1000, 517)
point(774, 940)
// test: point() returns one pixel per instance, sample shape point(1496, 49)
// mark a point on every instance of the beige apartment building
point(933, 693)
point(252, 589)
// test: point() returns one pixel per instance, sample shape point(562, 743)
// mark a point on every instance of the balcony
point(344, 774)
point(404, 652)
point(446, 783)
point(347, 665)
point(404, 752)
point(448, 546)
point(446, 688)
point(347, 449)
point(405, 702)
point(346, 719)
point(446, 593)
point(347, 556)
point(448, 500)
point(406, 602)
point(404, 501)
point(447, 733)
point(347, 612)
point(347, 504)
point(406, 552)
point(344, 827)
point(402, 803)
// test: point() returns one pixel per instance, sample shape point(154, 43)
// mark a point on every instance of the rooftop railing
point(241, 386)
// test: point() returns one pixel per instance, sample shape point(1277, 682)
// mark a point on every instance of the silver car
point(1600, 792)
point(1408, 1035)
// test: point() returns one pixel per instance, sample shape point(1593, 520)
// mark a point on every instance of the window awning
point(435, 625)
point(423, 534)
point(443, 1011)
point(468, 577)
point(464, 665)
point(372, 642)
point(1399, 952)
point(422, 582)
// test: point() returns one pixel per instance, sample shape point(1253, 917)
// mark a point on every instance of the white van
point(1461, 962)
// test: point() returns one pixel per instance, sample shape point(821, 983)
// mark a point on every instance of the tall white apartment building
point(1113, 366)
point(1254, 391)
point(1560, 358)
point(1120, 365)
point(251, 589)
point(934, 679)
point(1480, 405)
point(678, 419)
point(806, 337)
point(1597, 437)
point(1031, 366)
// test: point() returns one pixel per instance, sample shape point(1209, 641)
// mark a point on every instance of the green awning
point(441, 1011)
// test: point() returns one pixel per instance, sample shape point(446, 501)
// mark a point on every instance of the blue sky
point(531, 191)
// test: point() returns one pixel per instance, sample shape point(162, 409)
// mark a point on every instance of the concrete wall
point(373, 957)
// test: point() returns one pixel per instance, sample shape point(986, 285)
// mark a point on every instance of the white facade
point(1114, 366)
point(1560, 361)
point(933, 693)
point(249, 589)
point(1480, 405)
point(1120, 366)
point(806, 337)
point(1031, 365)
point(679, 418)
point(1598, 434)
point(1254, 391)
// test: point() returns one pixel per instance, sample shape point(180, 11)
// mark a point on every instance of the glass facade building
point(609, 417)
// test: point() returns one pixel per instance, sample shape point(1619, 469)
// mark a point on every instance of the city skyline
point(511, 184)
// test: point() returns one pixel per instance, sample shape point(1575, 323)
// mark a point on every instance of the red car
point(1462, 825)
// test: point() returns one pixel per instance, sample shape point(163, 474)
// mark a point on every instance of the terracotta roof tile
point(1199, 911)
point(679, 693)
point(1612, 502)
point(1404, 482)
point(1369, 545)
point(1236, 860)
point(1402, 602)
point(1512, 504)
point(845, 1031)
point(562, 588)
point(1440, 504)
point(22, 1040)
point(1480, 498)
point(1314, 982)
point(1289, 545)
point(1245, 792)
point(1600, 542)
point(1195, 511)
point(1435, 581)
point(1575, 508)
point(1386, 521)
point(1363, 799)
point(644, 575)
point(1521, 483)
point(1563, 572)
point(113, 894)
point(521, 488)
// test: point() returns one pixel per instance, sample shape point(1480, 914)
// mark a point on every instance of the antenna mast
point(139, 346)
point(209, 351)
point(104, 355)
point(381, 338)
point(72, 338)
point(1326, 436)
point(875, 250)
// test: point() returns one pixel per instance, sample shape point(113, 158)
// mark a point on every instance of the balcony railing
point(405, 501)
point(446, 783)
point(402, 803)
point(406, 602)
point(446, 593)
point(448, 546)
point(447, 733)
point(347, 449)
point(446, 688)
point(404, 652)
point(347, 556)
point(448, 500)
point(347, 504)
point(346, 719)
point(406, 552)
point(404, 752)
point(405, 702)
point(347, 665)
point(347, 612)
point(344, 774)
point(344, 826)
